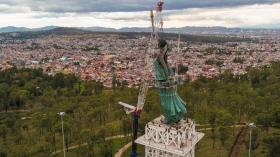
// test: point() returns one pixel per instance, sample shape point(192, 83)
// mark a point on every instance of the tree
point(24, 95)
point(87, 136)
point(3, 132)
point(89, 87)
point(126, 126)
point(4, 100)
point(264, 120)
point(114, 82)
point(14, 97)
point(48, 98)
point(25, 127)
point(90, 119)
point(66, 129)
point(9, 122)
point(272, 144)
point(70, 80)
point(58, 80)
point(212, 121)
point(224, 134)
point(106, 145)
point(202, 116)
point(227, 76)
point(37, 121)
point(238, 105)
point(100, 114)
point(276, 116)
point(98, 88)
point(50, 121)
point(254, 140)
point(29, 86)
point(106, 148)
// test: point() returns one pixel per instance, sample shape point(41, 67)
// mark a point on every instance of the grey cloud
point(80, 6)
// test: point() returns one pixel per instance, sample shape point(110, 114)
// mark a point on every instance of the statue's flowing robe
point(172, 105)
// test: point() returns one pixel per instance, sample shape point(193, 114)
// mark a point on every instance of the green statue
point(172, 105)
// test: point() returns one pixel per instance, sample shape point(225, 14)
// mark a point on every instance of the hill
point(70, 33)
point(22, 29)
point(146, 29)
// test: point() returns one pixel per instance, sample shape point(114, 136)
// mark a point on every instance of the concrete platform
point(170, 140)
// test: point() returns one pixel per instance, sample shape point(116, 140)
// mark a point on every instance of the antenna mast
point(177, 59)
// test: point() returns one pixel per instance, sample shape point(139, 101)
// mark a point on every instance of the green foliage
point(224, 134)
point(254, 140)
point(219, 102)
point(272, 144)
point(265, 120)
point(276, 116)
point(98, 88)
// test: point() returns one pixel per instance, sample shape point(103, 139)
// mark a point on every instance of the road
point(120, 152)
point(107, 138)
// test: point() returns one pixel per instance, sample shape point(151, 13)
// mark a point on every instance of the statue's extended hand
point(167, 83)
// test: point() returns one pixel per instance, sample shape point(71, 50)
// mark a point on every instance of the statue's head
point(161, 43)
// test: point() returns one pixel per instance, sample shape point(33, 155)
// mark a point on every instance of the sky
point(132, 13)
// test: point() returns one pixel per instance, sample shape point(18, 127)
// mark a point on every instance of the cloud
point(84, 6)
point(4, 8)
point(229, 17)
point(83, 14)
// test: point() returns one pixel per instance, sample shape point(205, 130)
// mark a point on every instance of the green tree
point(212, 117)
point(98, 88)
point(14, 98)
point(37, 121)
point(24, 95)
point(89, 87)
point(224, 134)
point(272, 144)
point(4, 100)
point(70, 80)
point(254, 140)
point(58, 80)
point(276, 116)
point(264, 120)
point(100, 114)
point(30, 86)
point(114, 82)
point(88, 137)
point(3, 132)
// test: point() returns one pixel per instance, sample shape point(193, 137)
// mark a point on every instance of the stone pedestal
point(163, 140)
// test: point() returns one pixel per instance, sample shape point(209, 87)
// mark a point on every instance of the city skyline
point(120, 13)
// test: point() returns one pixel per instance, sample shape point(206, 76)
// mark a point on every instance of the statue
point(172, 105)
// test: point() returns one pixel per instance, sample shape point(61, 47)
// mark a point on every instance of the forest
point(30, 101)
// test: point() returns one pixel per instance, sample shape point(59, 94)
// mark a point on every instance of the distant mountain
point(264, 26)
point(43, 28)
point(21, 29)
point(13, 29)
point(189, 28)
point(133, 29)
point(98, 29)
point(68, 32)
point(124, 29)
point(141, 29)
point(64, 31)
point(43, 33)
